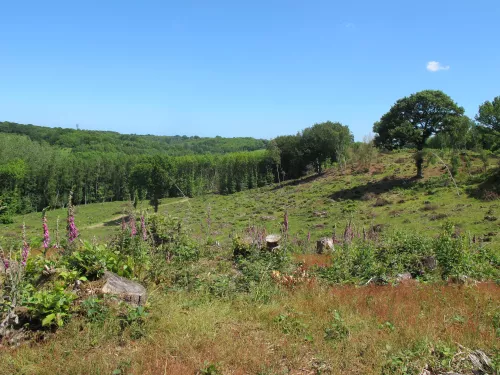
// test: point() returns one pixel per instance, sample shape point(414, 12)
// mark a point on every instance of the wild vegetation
point(404, 279)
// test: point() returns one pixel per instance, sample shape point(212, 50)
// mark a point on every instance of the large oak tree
point(413, 119)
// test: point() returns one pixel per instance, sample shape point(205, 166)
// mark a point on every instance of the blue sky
point(239, 68)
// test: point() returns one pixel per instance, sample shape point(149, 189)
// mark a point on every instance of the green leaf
point(60, 321)
point(48, 319)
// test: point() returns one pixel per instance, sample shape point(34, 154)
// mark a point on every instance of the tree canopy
point(412, 120)
point(327, 140)
point(106, 141)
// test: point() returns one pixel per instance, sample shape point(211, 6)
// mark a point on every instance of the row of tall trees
point(35, 175)
point(431, 116)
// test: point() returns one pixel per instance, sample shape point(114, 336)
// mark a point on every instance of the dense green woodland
point(106, 141)
point(39, 166)
point(36, 173)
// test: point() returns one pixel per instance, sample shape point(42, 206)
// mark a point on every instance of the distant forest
point(35, 175)
point(39, 166)
point(107, 141)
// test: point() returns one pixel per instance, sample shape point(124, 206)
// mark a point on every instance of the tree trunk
point(419, 161)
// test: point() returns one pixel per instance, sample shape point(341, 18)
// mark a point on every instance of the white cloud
point(434, 66)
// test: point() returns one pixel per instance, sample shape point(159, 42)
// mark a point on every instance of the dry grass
point(311, 260)
point(287, 335)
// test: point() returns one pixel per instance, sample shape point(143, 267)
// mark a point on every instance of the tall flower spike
point(26, 248)
point(4, 260)
point(46, 234)
point(133, 228)
point(72, 229)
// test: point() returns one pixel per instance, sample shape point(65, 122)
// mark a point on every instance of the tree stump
point(324, 244)
point(272, 241)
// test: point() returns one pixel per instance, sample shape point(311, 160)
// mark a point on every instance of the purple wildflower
point(4, 260)
point(46, 235)
point(72, 229)
point(143, 229)
point(308, 236)
point(133, 228)
point(26, 248)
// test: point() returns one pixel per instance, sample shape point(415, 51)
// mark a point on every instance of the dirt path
point(118, 217)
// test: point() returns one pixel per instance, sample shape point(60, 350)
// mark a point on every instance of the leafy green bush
point(257, 267)
point(452, 254)
point(170, 239)
point(51, 307)
point(401, 252)
point(241, 248)
point(92, 260)
point(6, 219)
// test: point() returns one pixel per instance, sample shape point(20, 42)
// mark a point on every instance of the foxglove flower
point(133, 229)
point(46, 234)
point(71, 227)
point(26, 248)
point(4, 260)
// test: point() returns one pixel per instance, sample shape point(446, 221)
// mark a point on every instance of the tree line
point(35, 175)
point(107, 141)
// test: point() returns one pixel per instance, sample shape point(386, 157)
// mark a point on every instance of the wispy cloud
point(349, 25)
point(434, 66)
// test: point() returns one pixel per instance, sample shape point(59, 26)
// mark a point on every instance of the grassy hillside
point(210, 312)
point(387, 197)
